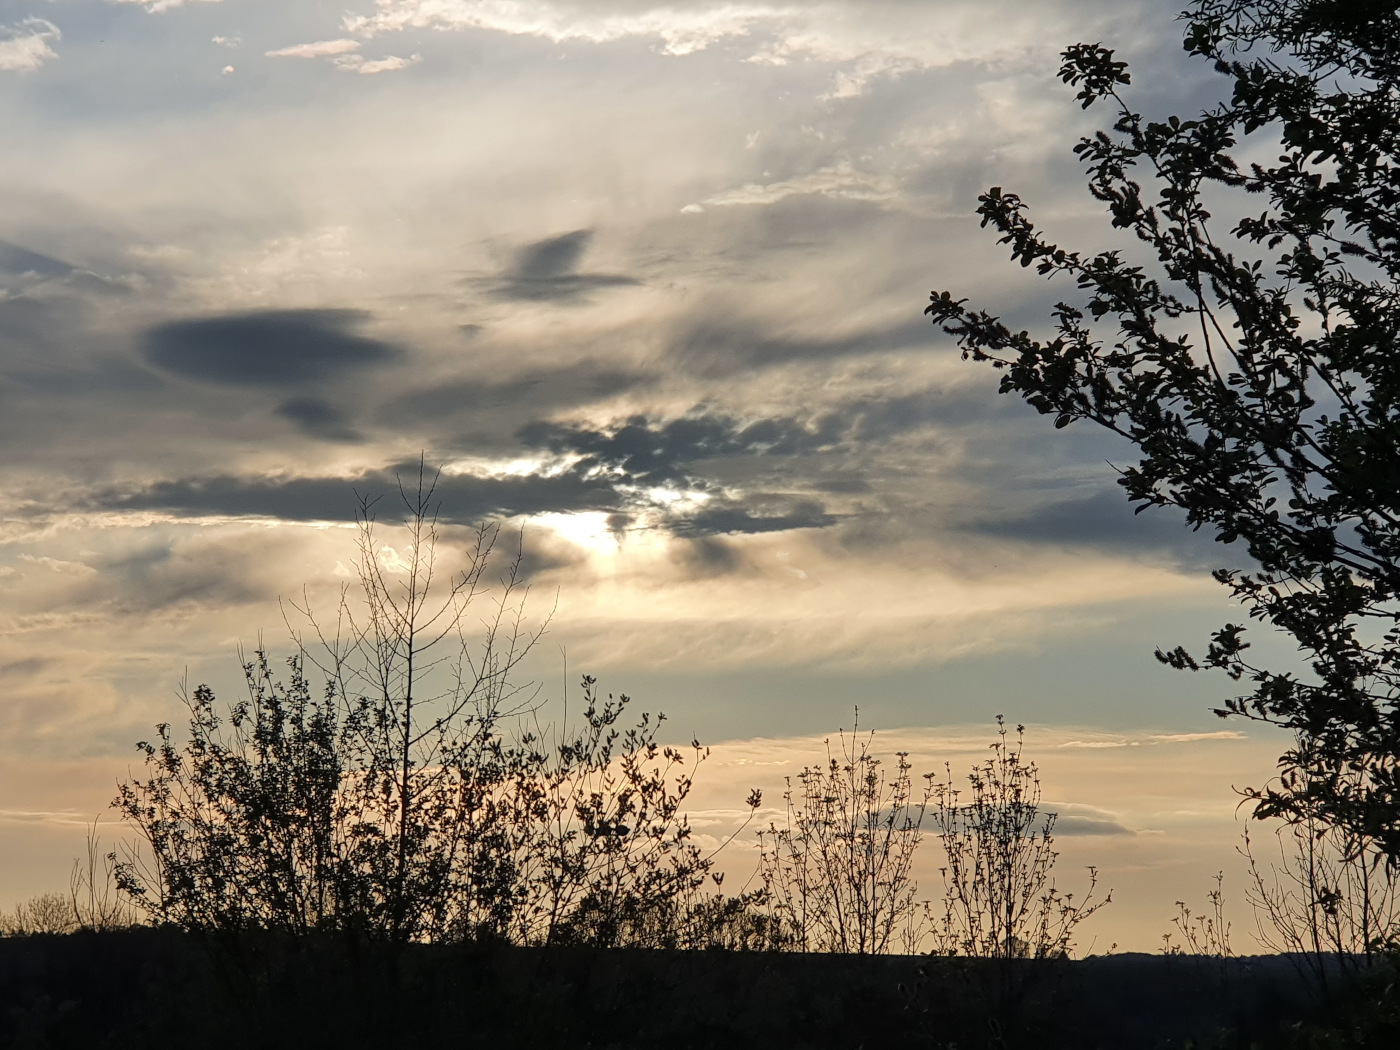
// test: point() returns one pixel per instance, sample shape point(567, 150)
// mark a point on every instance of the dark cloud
point(267, 348)
point(1066, 820)
point(843, 485)
point(548, 271)
point(779, 515)
point(1071, 826)
point(22, 269)
point(572, 385)
point(24, 668)
point(644, 452)
point(653, 452)
point(720, 347)
point(707, 556)
point(162, 576)
point(541, 553)
point(22, 262)
point(319, 419)
point(1105, 520)
point(552, 258)
point(463, 498)
point(761, 475)
point(1072, 819)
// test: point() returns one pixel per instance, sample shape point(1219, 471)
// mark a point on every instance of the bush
point(393, 804)
point(45, 913)
point(1000, 900)
point(838, 873)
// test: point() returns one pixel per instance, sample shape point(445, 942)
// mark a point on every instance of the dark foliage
point(1256, 374)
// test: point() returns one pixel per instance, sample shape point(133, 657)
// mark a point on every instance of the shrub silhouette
point(1329, 901)
point(1000, 899)
point(43, 913)
point(838, 872)
point(1202, 933)
point(393, 803)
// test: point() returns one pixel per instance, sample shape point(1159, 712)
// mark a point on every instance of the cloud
point(157, 6)
point(683, 30)
point(873, 38)
point(781, 515)
point(718, 345)
point(266, 348)
point(638, 451)
point(636, 470)
point(1072, 820)
point(1155, 738)
point(840, 181)
point(388, 64)
point(318, 419)
point(64, 568)
point(23, 668)
point(1105, 520)
point(343, 52)
point(1098, 745)
point(859, 43)
point(465, 498)
point(640, 456)
point(1191, 738)
point(319, 49)
point(547, 271)
point(572, 385)
point(24, 45)
point(23, 262)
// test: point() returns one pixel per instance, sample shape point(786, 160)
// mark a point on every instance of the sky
point(645, 280)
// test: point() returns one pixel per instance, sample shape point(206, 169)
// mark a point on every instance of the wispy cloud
point(682, 31)
point(387, 64)
point(1191, 738)
point(157, 6)
point(318, 49)
point(25, 45)
point(344, 53)
point(1100, 743)
point(841, 181)
point(881, 40)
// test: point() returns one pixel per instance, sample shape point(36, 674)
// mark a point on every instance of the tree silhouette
point(1257, 372)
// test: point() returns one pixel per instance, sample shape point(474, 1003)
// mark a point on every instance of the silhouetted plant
point(394, 804)
point(1204, 933)
point(1000, 897)
point(97, 901)
point(599, 849)
point(1253, 368)
point(252, 824)
point(839, 871)
point(44, 913)
point(1330, 899)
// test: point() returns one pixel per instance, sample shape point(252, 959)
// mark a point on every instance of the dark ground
point(154, 989)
